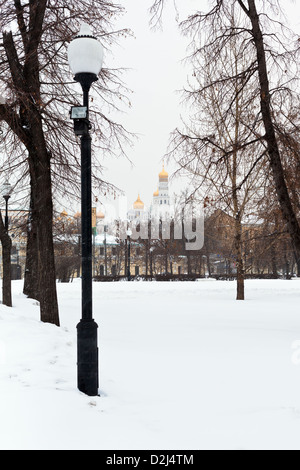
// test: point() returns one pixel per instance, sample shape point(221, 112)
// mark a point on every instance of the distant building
point(138, 211)
point(162, 204)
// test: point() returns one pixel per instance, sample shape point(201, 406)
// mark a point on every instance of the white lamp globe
point(6, 190)
point(85, 52)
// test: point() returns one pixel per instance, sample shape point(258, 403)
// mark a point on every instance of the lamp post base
point(87, 355)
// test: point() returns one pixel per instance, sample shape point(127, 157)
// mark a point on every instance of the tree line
point(239, 145)
point(266, 251)
point(37, 139)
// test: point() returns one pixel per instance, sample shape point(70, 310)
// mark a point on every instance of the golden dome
point(156, 193)
point(100, 215)
point(139, 204)
point(163, 174)
point(64, 214)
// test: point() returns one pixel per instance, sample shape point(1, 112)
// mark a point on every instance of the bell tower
point(161, 197)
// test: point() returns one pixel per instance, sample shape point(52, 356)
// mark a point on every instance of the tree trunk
point(286, 262)
point(273, 149)
point(188, 257)
point(274, 262)
point(239, 260)
point(240, 290)
point(208, 263)
point(47, 277)
point(147, 245)
point(31, 269)
point(6, 253)
point(6, 263)
point(166, 262)
point(43, 216)
point(40, 277)
point(26, 79)
point(126, 257)
point(298, 266)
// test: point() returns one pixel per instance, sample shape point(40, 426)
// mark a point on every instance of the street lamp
point(129, 233)
point(85, 55)
point(6, 191)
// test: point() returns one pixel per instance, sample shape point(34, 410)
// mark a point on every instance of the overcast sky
point(157, 73)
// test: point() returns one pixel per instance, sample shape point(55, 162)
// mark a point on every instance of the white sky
point(157, 72)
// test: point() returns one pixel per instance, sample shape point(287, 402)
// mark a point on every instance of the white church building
point(161, 206)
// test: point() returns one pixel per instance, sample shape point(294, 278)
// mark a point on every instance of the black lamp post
point(6, 191)
point(85, 56)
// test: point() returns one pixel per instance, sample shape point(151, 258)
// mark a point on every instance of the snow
point(183, 366)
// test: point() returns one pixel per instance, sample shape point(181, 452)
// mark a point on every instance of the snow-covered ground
point(183, 366)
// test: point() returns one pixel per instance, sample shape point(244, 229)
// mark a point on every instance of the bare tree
point(216, 149)
point(271, 138)
point(39, 91)
point(272, 52)
point(6, 264)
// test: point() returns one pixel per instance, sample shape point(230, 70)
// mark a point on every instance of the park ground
point(182, 366)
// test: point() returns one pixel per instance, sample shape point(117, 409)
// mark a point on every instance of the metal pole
point(86, 230)
point(94, 254)
point(128, 259)
point(87, 341)
point(6, 212)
